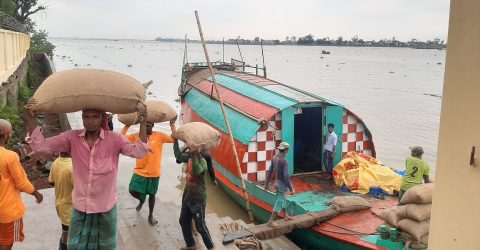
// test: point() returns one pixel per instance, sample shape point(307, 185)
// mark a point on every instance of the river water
point(396, 91)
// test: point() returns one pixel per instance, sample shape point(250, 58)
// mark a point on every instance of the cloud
point(147, 19)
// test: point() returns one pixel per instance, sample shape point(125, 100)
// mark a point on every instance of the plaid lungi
point(93, 231)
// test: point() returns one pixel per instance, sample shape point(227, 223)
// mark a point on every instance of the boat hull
point(261, 205)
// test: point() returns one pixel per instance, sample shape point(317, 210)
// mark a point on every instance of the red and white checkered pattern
point(261, 149)
point(354, 137)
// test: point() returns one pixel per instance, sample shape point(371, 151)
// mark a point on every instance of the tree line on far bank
point(309, 40)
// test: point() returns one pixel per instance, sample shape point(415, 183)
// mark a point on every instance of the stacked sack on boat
point(412, 217)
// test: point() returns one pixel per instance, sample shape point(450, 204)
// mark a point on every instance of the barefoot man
point(194, 197)
point(94, 151)
point(148, 169)
point(282, 182)
point(13, 180)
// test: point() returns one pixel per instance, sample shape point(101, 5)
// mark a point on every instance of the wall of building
point(13, 49)
point(456, 203)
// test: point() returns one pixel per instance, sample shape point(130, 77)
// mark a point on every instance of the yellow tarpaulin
point(359, 173)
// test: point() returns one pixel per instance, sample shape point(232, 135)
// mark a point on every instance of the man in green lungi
point(147, 172)
point(94, 151)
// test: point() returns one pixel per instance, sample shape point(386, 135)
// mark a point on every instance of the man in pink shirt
point(94, 151)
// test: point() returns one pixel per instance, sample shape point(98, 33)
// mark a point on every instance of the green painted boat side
point(288, 132)
point(335, 116)
point(255, 92)
point(243, 127)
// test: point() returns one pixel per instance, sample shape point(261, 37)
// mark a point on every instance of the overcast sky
point(268, 19)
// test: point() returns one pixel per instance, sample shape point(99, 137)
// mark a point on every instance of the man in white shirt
point(329, 152)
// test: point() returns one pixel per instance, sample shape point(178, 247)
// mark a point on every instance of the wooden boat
point(262, 113)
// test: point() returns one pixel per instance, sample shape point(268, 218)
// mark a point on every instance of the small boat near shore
point(264, 112)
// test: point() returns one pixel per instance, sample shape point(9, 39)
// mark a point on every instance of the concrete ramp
point(42, 227)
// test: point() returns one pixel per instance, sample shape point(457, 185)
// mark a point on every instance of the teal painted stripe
point(288, 134)
point(255, 92)
point(243, 128)
point(335, 116)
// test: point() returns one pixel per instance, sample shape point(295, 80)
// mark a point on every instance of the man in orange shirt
point(148, 169)
point(13, 180)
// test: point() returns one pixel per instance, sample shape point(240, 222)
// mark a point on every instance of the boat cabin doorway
point(308, 134)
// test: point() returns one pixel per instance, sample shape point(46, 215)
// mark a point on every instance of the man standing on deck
point(13, 180)
point(194, 197)
point(148, 169)
point(95, 152)
point(282, 182)
point(417, 171)
point(329, 152)
point(61, 177)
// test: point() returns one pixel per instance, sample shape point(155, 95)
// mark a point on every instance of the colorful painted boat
point(262, 113)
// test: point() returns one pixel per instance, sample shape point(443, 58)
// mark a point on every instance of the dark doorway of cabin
point(308, 140)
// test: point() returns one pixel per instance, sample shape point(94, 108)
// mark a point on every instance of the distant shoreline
point(369, 44)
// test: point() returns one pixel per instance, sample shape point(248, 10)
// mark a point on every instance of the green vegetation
point(21, 11)
point(39, 43)
point(25, 93)
point(11, 114)
point(310, 40)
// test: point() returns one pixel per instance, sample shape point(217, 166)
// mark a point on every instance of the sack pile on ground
point(414, 215)
point(79, 89)
point(198, 136)
point(158, 111)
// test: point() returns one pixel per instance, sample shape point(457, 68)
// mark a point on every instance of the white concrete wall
point(13, 49)
point(455, 222)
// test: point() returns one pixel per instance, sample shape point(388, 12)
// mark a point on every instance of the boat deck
point(315, 191)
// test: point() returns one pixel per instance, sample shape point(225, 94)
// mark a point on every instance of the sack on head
point(79, 89)
point(198, 136)
point(157, 111)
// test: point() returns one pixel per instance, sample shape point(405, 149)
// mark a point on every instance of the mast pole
point(214, 80)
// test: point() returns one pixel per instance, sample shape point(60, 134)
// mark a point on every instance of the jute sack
point(390, 216)
point(158, 111)
point(198, 136)
point(414, 228)
point(349, 203)
point(420, 194)
point(417, 212)
point(78, 89)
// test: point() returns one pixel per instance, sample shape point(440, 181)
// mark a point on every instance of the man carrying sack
point(194, 197)
point(95, 152)
point(148, 169)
